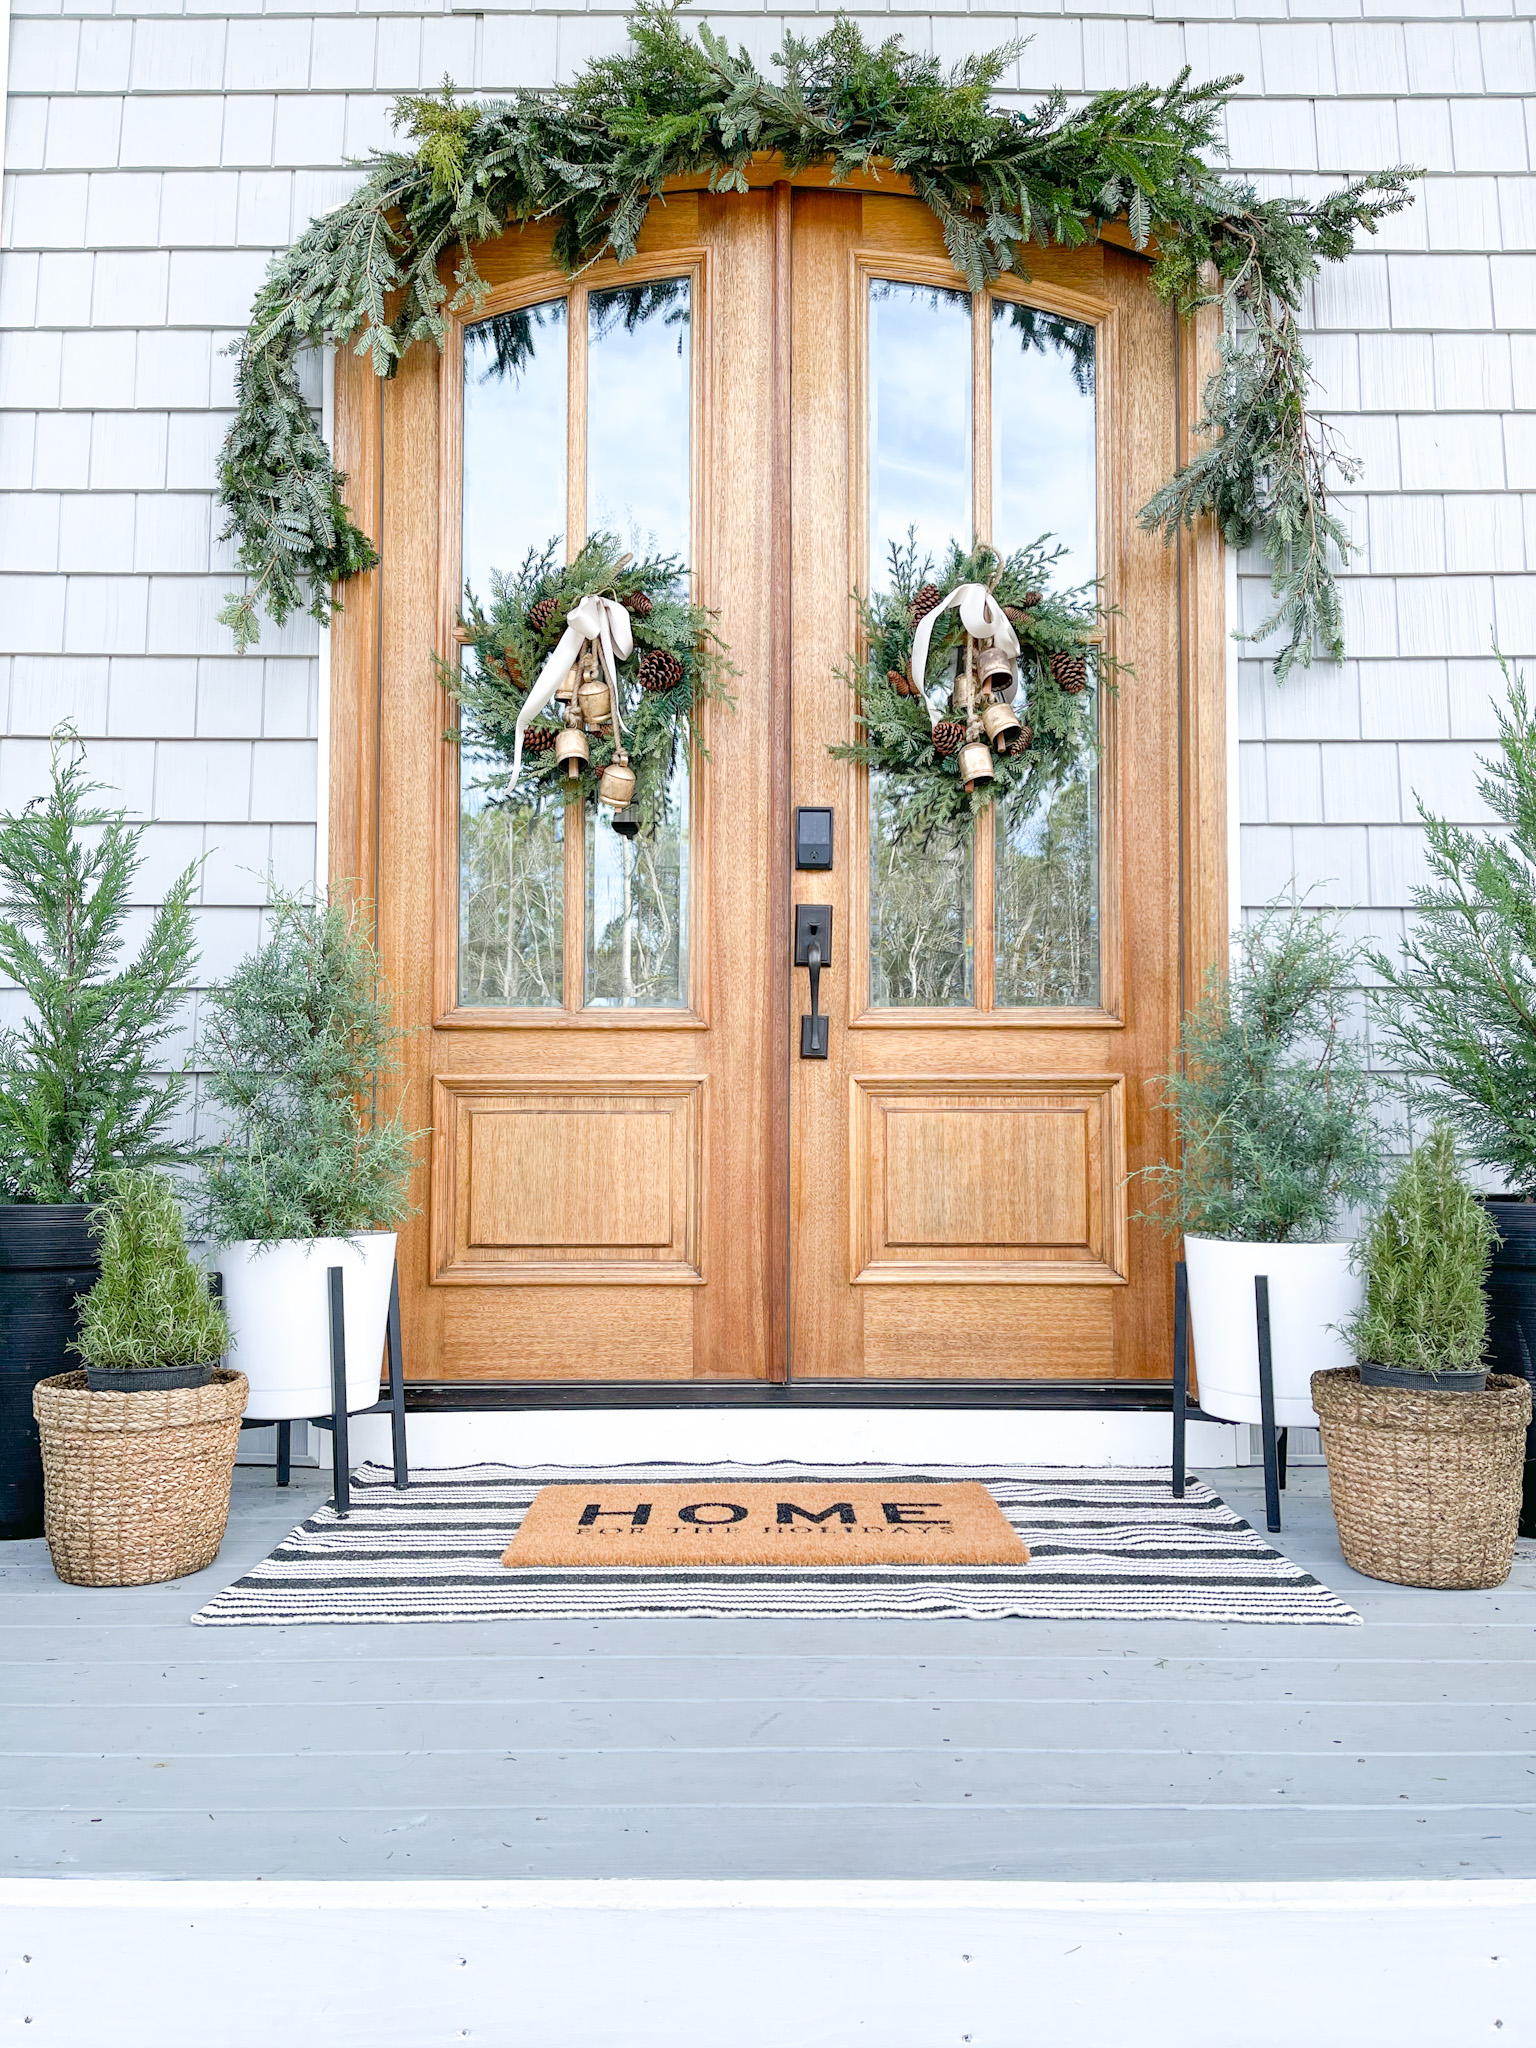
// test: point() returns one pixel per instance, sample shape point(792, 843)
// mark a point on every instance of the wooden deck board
point(137, 1745)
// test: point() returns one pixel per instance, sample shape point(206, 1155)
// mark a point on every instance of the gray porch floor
point(136, 1745)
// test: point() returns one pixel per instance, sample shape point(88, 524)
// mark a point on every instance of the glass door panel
point(921, 897)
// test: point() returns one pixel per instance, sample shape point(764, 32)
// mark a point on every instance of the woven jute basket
point(136, 1486)
point(1426, 1487)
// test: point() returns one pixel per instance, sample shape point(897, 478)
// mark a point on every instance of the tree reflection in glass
point(1044, 480)
point(637, 897)
point(638, 415)
point(511, 880)
point(920, 897)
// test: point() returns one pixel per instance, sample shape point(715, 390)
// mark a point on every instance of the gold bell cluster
point(588, 709)
point(981, 721)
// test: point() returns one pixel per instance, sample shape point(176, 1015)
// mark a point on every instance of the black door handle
point(813, 947)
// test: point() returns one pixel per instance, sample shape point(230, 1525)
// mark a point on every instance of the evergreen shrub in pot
point(1425, 1448)
point(80, 1094)
point(309, 1172)
point(1459, 1017)
point(1273, 1110)
point(139, 1448)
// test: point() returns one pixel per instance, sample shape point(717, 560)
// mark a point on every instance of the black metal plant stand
point(1275, 1440)
point(392, 1403)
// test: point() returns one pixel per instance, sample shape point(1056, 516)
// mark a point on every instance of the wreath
point(595, 154)
point(584, 681)
point(1006, 706)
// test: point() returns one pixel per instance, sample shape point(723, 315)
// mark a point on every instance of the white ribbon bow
point(982, 617)
point(602, 620)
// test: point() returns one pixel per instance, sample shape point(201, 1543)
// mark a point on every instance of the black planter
point(48, 1260)
point(1511, 1289)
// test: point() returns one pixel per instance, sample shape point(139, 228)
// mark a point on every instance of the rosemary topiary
point(1270, 1096)
point(593, 155)
point(1458, 1009)
point(80, 1096)
point(151, 1306)
point(1424, 1260)
point(299, 1046)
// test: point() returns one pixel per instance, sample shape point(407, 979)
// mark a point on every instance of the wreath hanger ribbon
point(982, 617)
point(599, 621)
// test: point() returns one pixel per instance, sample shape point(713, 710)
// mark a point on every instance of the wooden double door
point(632, 1174)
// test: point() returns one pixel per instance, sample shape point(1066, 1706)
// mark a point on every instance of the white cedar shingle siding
point(156, 156)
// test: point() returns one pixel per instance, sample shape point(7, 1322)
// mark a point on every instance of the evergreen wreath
point(678, 665)
point(594, 155)
point(915, 742)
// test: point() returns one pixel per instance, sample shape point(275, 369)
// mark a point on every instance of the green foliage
point(79, 1095)
point(300, 1045)
point(151, 1305)
point(1458, 1009)
point(1270, 1097)
point(895, 734)
point(594, 155)
point(508, 652)
point(1425, 1257)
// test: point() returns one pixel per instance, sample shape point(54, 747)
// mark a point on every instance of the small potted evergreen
point(1273, 1110)
point(1459, 1018)
point(310, 1171)
point(1424, 1446)
point(83, 1083)
point(139, 1448)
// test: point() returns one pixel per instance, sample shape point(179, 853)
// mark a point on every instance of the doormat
point(702, 1527)
point(1105, 1545)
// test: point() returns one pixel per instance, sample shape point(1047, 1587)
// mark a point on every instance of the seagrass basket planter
point(1426, 1487)
point(136, 1486)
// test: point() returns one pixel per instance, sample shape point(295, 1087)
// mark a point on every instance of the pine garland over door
point(594, 155)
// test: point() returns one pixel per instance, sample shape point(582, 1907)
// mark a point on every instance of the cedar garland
point(594, 155)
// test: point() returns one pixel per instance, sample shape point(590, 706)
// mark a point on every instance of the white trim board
point(766, 1964)
point(965, 1436)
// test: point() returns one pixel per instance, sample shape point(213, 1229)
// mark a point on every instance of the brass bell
point(975, 763)
point(594, 704)
point(565, 689)
point(627, 822)
point(618, 784)
point(571, 750)
point(996, 672)
point(1002, 725)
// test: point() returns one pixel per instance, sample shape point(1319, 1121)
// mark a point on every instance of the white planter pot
point(1312, 1294)
point(275, 1296)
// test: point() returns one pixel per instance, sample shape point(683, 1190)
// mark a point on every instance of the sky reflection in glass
point(1043, 451)
point(638, 411)
point(919, 421)
point(514, 439)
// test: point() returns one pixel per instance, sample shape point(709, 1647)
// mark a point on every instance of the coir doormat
point(1104, 1544)
point(706, 1526)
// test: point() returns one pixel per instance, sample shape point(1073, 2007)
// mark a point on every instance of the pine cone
point(948, 737)
point(1071, 672)
point(637, 604)
point(1018, 614)
point(506, 664)
point(541, 614)
point(928, 599)
point(537, 739)
point(660, 669)
point(897, 679)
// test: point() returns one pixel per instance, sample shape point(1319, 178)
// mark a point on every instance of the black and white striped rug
point(1105, 1545)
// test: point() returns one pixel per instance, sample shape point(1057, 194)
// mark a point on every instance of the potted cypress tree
point(1273, 1109)
point(299, 1048)
point(79, 1092)
point(139, 1448)
point(1459, 1016)
point(1425, 1448)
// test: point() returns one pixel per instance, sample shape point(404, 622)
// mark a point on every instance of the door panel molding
point(967, 1179)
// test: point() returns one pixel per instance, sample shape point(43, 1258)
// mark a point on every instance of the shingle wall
point(155, 156)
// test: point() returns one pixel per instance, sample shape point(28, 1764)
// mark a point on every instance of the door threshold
point(1076, 1396)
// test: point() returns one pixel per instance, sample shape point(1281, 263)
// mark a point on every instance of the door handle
point(813, 950)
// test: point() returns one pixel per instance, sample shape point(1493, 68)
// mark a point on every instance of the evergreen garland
point(896, 734)
point(594, 155)
point(679, 664)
